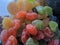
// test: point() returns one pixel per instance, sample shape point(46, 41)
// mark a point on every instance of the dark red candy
point(54, 42)
point(24, 39)
point(48, 32)
point(25, 36)
point(25, 32)
point(39, 35)
point(47, 39)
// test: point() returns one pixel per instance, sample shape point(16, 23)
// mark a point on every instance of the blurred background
point(3, 7)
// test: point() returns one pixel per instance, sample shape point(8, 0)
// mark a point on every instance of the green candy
point(40, 9)
point(38, 24)
point(31, 41)
point(48, 10)
point(53, 25)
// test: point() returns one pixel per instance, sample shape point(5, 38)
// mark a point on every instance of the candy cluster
point(32, 25)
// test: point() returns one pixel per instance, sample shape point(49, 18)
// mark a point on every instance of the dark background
point(55, 4)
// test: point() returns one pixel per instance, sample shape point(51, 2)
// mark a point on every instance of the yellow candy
point(18, 5)
point(7, 23)
point(24, 5)
point(12, 8)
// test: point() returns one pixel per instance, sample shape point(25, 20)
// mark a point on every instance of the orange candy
point(21, 15)
point(31, 29)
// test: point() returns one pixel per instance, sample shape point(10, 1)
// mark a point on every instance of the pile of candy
point(31, 24)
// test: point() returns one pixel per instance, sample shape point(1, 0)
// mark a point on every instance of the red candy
point(31, 29)
point(25, 36)
point(48, 32)
point(21, 15)
point(39, 35)
point(11, 41)
point(17, 24)
point(25, 32)
point(4, 36)
point(54, 42)
point(12, 31)
point(31, 16)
